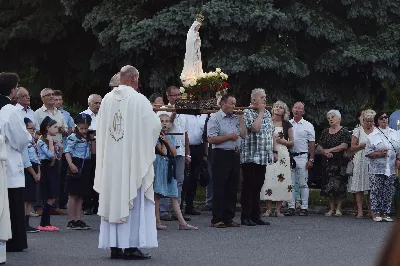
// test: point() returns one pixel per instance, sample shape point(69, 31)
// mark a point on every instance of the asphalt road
point(313, 240)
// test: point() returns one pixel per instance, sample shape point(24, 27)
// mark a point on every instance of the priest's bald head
point(129, 76)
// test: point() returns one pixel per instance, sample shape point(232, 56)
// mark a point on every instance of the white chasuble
point(126, 135)
point(5, 223)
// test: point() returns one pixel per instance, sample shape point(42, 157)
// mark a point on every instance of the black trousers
point(63, 199)
point(91, 202)
point(191, 178)
point(18, 242)
point(226, 174)
point(253, 180)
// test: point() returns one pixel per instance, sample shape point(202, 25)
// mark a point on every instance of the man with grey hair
point(24, 102)
point(90, 203)
point(49, 109)
point(126, 134)
point(257, 150)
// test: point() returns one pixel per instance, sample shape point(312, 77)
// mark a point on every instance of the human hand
point(363, 145)
point(397, 164)
point(37, 177)
point(329, 155)
point(188, 159)
point(61, 130)
point(162, 136)
point(73, 168)
point(384, 153)
point(261, 108)
point(233, 136)
point(275, 157)
point(309, 165)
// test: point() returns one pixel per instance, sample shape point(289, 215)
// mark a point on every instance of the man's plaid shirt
point(257, 147)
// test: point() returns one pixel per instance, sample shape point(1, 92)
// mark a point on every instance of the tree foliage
point(330, 54)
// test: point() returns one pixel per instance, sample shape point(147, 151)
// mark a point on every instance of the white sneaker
point(387, 219)
point(378, 219)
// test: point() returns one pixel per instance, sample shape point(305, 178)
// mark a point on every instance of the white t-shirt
point(303, 132)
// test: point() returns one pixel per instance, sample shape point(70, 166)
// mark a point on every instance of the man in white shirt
point(23, 103)
point(91, 203)
point(197, 153)
point(94, 102)
point(179, 125)
point(303, 153)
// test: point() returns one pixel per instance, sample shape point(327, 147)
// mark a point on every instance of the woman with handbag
point(359, 180)
point(77, 184)
point(383, 151)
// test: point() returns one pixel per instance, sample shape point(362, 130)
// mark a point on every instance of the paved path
point(313, 240)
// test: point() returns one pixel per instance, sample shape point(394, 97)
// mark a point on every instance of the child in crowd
point(32, 174)
point(49, 154)
point(165, 178)
point(77, 154)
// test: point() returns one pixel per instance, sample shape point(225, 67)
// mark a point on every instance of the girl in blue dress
point(49, 154)
point(77, 154)
point(32, 174)
point(165, 184)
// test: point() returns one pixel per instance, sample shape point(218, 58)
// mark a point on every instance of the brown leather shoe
point(57, 212)
point(233, 224)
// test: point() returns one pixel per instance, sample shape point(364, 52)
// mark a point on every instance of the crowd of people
point(51, 160)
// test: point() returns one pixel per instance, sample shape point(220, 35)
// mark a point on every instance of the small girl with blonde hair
point(165, 175)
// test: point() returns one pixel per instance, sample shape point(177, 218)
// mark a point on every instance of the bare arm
point(242, 127)
point(172, 148)
point(338, 148)
point(288, 143)
point(187, 147)
point(356, 147)
point(311, 149)
point(220, 139)
point(161, 149)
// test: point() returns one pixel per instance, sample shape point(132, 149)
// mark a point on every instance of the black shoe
point(117, 253)
point(192, 212)
point(186, 218)
point(290, 212)
point(73, 226)
point(88, 212)
point(260, 222)
point(166, 218)
point(30, 229)
point(206, 208)
point(82, 225)
point(135, 254)
point(304, 212)
point(248, 222)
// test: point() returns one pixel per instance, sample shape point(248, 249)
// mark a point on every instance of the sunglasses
point(383, 117)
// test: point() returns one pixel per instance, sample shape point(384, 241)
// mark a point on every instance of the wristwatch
point(311, 160)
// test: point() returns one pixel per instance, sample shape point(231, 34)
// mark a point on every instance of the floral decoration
point(207, 84)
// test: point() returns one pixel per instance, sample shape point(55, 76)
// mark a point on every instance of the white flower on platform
point(192, 82)
point(224, 76)
point(203, 75)
point(182, 90)
point(218, 70)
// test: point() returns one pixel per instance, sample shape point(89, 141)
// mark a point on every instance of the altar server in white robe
point(5, 224)
point(127, 132)
point(13, 128)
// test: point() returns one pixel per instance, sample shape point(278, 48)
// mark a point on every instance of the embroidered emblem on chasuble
point(117, 129)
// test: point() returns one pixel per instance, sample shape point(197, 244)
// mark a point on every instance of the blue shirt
point(32, 153)
point(44, 152)
point(78, 148)
point(70, 124)
point(221, 124)
point(25, 157)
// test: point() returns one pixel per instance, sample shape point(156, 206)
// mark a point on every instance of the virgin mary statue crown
point(200, 18)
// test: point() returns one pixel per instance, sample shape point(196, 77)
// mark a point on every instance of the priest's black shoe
point(260, 222)
point(117, 253)
point(135, 254)
point(248, 222)
point(192, 212)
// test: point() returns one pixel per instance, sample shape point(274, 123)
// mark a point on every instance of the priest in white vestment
point(127, 132)
point(5, 223)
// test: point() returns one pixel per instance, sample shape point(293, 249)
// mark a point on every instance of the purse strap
point(387, 139)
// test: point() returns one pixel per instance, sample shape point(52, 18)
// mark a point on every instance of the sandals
point(338, 213)
point(161, 227)
point(329, 213)
point(279, 214)
point(218, 225)
point(187, 227)
point(267, 213)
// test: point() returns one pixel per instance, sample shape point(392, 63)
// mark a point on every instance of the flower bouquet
point(206, 85)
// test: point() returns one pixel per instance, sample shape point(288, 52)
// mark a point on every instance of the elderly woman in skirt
point(383, 151)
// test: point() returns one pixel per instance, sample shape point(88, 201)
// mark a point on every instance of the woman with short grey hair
point(332, 144)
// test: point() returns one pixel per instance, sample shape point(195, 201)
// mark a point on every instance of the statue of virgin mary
point(192, 65)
